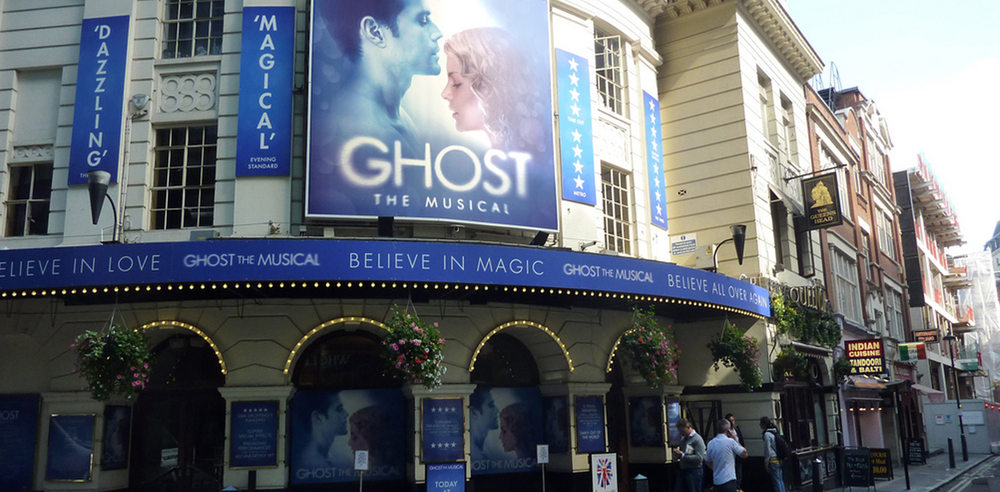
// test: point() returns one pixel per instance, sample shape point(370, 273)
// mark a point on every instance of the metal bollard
point(951, 454)
point(965, 449)
point(817, 465)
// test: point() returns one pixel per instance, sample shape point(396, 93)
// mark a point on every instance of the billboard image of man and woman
point(505, 430)
point(329, 426)
point(432, 109)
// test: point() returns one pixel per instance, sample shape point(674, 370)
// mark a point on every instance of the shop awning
point(865, 382)
point(935, 396)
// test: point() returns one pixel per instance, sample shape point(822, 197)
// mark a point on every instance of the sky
point(933, 70)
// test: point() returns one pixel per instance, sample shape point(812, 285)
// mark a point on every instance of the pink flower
point(440, 340)
point(394, 346)
point(416, 342)
point(136, 375)
point(413, 325)
point(119, 376)
point(435, 325)
point(145, 366)
point(402, 342)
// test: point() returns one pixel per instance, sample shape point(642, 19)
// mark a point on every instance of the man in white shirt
point(721, 457)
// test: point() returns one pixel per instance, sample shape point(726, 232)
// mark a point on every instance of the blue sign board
point(446, 477)
point(267, 69)
point(590, 424)
point(18, 433)
point(71, 448)
point(117, 434)
point(555, 433)
point(447, 121)
point(576, 134)
point(506, 429)
point(100, 98)
point(654, 161)
point(347, 260)
point(254, 434)
point(443, 429)
point(673, 415)
point(328, 427)
point(646, 421)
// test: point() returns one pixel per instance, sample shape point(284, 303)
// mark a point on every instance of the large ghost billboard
point(432, 110)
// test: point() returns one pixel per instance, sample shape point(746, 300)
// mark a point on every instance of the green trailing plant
point(734, 349)
point(114, 362)
point(804, 324)
point(414, 349)
point(650, 349)
point(790, 362)
point(841, 368)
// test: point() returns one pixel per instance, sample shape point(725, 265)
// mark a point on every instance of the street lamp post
point(958, 399)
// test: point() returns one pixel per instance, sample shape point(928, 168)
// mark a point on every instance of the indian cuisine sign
point(822, 201)
point(431, 109)
point(867, 357)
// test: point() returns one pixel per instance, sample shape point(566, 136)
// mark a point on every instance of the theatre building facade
point(271, 192)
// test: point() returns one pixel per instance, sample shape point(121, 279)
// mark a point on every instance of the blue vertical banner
point(576, 133)
point(555, 433)
point(505, 429)
point(590, 424)
point(18, 434)
point(100, 98)
point(646, 421)
point(117, 436)
point(654, 161)
point(443, 429)
point(267, 65)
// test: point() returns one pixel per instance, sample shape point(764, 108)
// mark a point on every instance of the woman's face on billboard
point(462, 101)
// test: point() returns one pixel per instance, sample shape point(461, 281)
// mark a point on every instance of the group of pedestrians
point(724, 456)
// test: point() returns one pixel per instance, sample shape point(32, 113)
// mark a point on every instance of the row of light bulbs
point(384, 285)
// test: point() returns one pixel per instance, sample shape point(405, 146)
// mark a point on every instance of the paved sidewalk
point(935, 476)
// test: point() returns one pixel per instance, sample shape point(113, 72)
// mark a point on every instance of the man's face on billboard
point(416, 47)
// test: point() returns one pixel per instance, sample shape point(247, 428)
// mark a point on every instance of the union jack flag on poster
point(604, 472)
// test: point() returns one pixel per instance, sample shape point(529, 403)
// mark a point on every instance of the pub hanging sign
point(822, 201)
point(867, 357)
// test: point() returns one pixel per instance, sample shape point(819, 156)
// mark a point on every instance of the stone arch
point(529, 333)
point(367, 324)
point(184, 326)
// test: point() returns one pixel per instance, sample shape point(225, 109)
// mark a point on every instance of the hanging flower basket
point(650, 349)
point(114, 362)
point(790, 364)
point(841, 368)
point(734, 350)
point(413, 349)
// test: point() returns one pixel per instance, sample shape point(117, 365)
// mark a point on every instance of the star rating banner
point(576, 134)
point(654, 160)
point(443, 429)
point(254, 433)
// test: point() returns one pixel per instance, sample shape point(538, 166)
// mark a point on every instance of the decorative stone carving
point(32, 153)
point(610, 142)
point(184, 93)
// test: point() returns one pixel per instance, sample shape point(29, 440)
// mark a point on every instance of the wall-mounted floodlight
point(97, 185)
point(738, 238)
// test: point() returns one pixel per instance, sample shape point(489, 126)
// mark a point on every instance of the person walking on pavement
point(771, 461)
point(721, 455)
point(691, 454)
point(739, 439)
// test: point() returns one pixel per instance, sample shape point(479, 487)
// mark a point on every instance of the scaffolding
point(981, 296)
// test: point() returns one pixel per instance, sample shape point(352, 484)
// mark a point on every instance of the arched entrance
point(506, 417)
point(344, 403)
point(179, 420)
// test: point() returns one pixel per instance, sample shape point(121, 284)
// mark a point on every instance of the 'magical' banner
point(434, 109)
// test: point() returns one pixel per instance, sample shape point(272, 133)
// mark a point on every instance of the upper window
point(610, 71)
point(764, 87)
point(617, 210)
point(184, 178)
point(193, 28)
point(845, 271)
point(876, 162)
point(786, 131)
point(886, 243)
point(28, 200)
point(894, 311)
